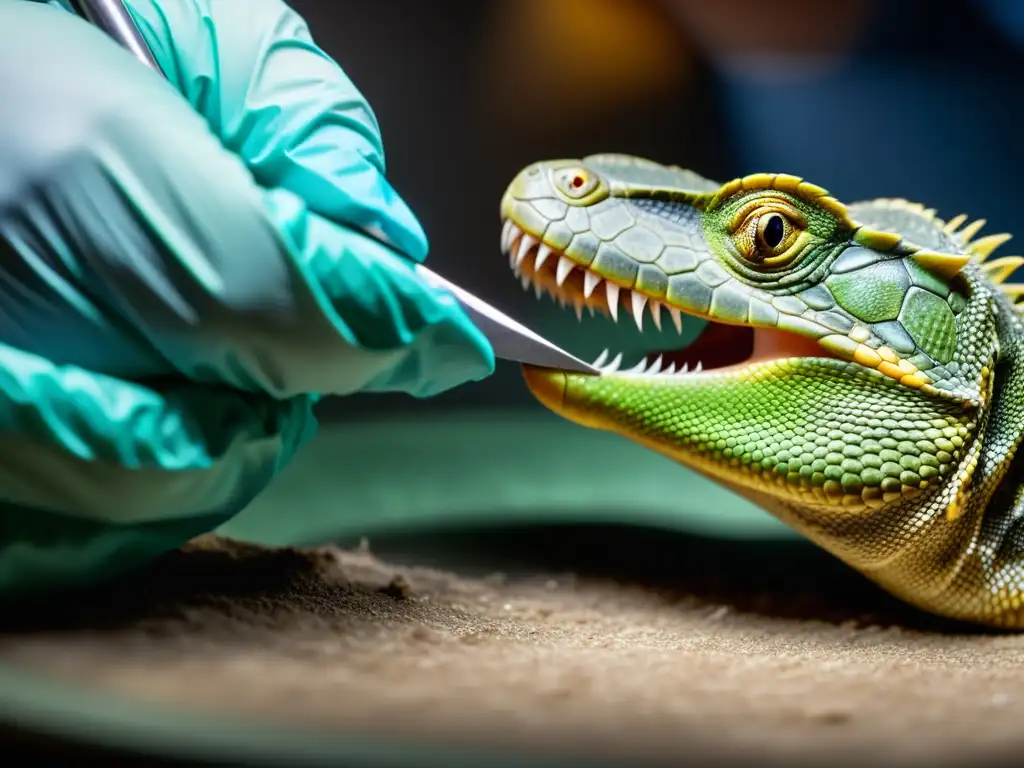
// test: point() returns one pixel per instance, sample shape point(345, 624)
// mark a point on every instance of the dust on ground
point(579, 664)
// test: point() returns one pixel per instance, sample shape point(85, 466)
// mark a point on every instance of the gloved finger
point(141, 469)
point(135, 233)
point(278, 101)
point(430, 344)
point(127, 453)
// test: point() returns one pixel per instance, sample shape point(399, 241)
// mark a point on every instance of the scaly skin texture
point(882, 421)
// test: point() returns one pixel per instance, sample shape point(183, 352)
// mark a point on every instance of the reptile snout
point(531, 183)
point(548, 386)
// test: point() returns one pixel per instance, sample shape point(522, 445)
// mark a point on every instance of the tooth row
point(519, 245)
point(642, 368)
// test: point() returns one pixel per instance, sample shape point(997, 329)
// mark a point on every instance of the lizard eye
point(576, 183)
point(769, 232)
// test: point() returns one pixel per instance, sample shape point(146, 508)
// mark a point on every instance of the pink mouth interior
point(722, 347)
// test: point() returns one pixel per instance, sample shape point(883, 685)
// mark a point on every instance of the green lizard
point(861, 377)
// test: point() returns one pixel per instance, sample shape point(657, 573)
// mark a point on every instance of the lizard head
point(842, 378)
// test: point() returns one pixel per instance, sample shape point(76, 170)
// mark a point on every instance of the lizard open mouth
point(720, 348)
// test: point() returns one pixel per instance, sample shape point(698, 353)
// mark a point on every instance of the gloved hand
point(186, 265)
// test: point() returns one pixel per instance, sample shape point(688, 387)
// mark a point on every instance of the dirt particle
point(832, 716)
point(476, 637)
point(398, 588)
point(425, 635)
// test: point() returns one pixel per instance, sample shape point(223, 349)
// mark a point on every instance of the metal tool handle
point(114, 18)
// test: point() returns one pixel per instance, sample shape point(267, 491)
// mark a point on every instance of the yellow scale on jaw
point(888, 362)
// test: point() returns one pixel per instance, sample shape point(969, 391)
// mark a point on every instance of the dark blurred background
point(867, 98)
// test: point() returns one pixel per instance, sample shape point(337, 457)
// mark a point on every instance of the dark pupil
point(774, 231)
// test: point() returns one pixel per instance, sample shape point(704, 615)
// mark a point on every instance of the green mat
point(486, 466)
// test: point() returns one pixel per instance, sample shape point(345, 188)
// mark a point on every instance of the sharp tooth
point(590, 308)
point(517, 233)
point(538, 290)
point(525, 246)
point(685, 369)
point(542, 254)
point(590, 282)
point(639, 302)
point(508, 233)
point(670, 370)
point(656, 313)
point(600, 359)
point(613, 300)
point(655, 366)
point(525, 280)
point(564, 268)
point(677, 318)
point(512, 257)
point(614, 364)
point(698, 367)
point(579, 309)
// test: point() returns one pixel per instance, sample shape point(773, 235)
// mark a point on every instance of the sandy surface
point(768, 662)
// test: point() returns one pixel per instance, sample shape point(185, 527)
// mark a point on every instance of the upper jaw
point(550, 270)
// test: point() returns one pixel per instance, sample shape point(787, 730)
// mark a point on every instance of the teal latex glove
point(186, 265)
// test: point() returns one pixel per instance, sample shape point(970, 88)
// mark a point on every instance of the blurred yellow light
point(574, 57)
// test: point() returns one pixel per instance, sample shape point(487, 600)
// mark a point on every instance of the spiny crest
point(901, 204)
point(980, 249)
point(944, 265)
point(977, 250)
point(997, 270)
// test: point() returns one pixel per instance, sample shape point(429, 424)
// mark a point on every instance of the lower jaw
point(562, 393)
point(678, 416)
point(721, 353)
point(577, 396)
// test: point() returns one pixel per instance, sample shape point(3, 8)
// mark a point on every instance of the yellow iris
point(769, 232)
